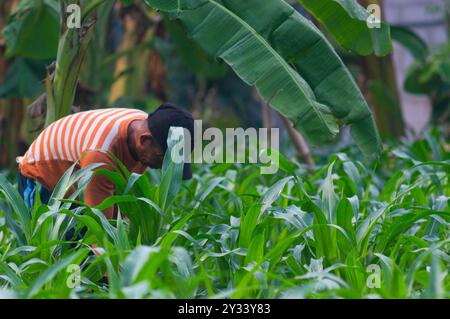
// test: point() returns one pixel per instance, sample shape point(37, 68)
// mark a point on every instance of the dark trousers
point(27, 189)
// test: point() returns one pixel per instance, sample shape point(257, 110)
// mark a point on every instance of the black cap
point(160, 121)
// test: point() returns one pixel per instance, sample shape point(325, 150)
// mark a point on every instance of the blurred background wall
point(425, 18)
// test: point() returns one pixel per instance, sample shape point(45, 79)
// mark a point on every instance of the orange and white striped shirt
point(85, 137)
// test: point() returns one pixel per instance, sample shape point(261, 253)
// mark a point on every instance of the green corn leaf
point(11, 276)
point(273, 193)
point(172, 171)
point(248, 224)
point(22, 229)
point(256, 248)
point(435, 287)
point(344, 218)
point(52, 271)
point(134, 264)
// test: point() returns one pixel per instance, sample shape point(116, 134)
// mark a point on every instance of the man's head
point(151, 141)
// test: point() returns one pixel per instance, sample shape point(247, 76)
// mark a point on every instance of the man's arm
point(100, 187)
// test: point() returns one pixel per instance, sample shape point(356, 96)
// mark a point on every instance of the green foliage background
point(352, 227)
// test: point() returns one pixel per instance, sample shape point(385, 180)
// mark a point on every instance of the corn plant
point(350, 229)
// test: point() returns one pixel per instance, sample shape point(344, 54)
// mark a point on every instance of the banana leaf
point(192, 55)
point(347, 22)
point(285, 56)
point(411, 41)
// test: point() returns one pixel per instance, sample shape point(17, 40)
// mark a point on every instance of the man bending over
point(137, 139)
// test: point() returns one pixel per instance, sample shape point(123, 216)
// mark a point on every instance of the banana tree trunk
point(72, 48)
point(198, 99)
point(300, 145)
point(266, 114)
point(11, 116)
point(11, 110)
point(388, 115)
point(90, 74)
point(131, 69)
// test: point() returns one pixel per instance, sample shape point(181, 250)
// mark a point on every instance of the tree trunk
point(11, 116)
point(72, 48)
point(156, 68)
point(299, 142)
point(11, 110)
point(131, 69)
point(266, 115)
point(198, 99)
point(382, 91)
point(92, 74)
point(297, 139)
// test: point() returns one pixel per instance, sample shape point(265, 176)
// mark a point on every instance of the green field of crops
point(315, 136)
point(349, 229)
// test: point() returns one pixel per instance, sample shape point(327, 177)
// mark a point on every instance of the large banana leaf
point(411, 41)
point(305, 47)
point(277, 54)
point(222, 33)
point(346, 21)
point(192, 55)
